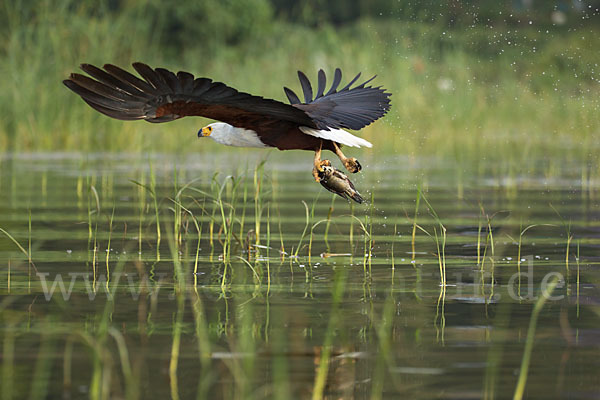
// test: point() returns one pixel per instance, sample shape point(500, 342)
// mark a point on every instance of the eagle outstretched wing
point(163, 96)
point(350, 108)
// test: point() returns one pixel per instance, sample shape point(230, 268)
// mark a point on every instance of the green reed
point(280, 365)
point(16, 242)
point(369, 238)
point(29, 263)
point(479, 226)
point(198, 226)
point(329, 213)
point(323, 367)
point(392, 255)
point(252, 268)
point(567, 227)
point(141, 196)
point(67, 356)
point(27, 252)
point(110, 229)
point(93, 226)
point(414, 223)
point(268, 248)
point(525, 362)
point(231, 219)
point(177, 211)
point(306, 225)
point(577, 259)
point(203, 340)
point(440, 238)
point(180, 291)
point(214, 189)
point(131, 386)
point(522, 232)
point(225, 227)
point(258, 209)
point(351, 230)
point(245, 200)
point(228, 217)
point(282, 246)
point(8, 359)
point(489, 238)
point(498, 341)
point(310, 239)
point(151, 189)
point(43, 368)
point(385, 347)
point(102, 360)
point(489, 243)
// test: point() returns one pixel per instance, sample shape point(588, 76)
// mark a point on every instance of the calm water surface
point(346, 304)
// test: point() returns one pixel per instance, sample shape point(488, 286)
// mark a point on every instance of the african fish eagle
point(248, 121)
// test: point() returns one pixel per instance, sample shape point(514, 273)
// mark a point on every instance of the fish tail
point(356, 197)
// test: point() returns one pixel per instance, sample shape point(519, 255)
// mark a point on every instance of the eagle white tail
point(337, 135)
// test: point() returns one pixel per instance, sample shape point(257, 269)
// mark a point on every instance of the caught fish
point(337, 182)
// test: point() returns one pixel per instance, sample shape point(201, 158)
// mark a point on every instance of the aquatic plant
point(537, 308)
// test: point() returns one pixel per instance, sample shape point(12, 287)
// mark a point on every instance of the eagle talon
point(323, 163)
point(352, 165)
point(316, 173)
point(318, 169)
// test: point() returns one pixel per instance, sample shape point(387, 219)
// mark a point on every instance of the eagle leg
point(351, 163)
point(319, 164)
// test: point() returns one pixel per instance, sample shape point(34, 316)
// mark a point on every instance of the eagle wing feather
point(163, 96)
point(349, 108)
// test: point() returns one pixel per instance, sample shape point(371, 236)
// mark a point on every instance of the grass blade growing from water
point(323, 368)
point(522, 381)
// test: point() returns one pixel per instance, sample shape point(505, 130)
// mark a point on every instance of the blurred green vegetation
point(481, 80)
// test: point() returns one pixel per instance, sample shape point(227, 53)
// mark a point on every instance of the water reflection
point(313, 297)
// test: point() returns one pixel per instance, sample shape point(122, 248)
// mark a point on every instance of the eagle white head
point(229, 135)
